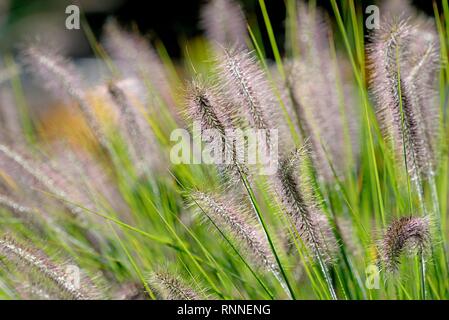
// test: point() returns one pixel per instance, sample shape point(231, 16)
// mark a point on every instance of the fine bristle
point(302, 208)
point(245, 84)
point(231, 218)
point(204, 104)
point(207, 107)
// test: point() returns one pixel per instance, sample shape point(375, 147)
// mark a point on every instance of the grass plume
point(232, 219)
point(406, 235)
point(403, 77)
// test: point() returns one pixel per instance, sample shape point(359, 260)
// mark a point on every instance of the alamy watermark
point(72, 22)
point(251, 147)
point(373, 20)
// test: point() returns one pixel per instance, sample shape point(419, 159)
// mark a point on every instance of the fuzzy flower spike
point(207, 107)
point(226, 215)
point(406, 235)
point(402, 84)
point(300, 203)
point(245, 84)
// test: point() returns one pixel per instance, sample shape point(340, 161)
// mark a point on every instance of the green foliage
point(132, 224)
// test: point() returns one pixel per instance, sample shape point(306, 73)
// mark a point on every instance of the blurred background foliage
point(171, 21)
point(156, 204)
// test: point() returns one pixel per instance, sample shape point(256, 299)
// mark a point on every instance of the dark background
point(169, 20)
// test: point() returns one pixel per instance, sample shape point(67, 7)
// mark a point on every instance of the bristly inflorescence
point(235, 221)
point(404, 235)
point(404, 56)
point(244, 83)
point(171, 287)
point(59, 74)
point(422, 71)
point(295, 228)
point(49, 276)
point(207, 106)
point(302, 208)
point(224, 23)
point(327, 116)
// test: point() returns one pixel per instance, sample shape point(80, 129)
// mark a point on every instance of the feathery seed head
point(403, 75)
point(57, 73)
point(34, 174)
point(131, 50)
point(405, 235)
point(232, 218)
point(204, 104)
point(302, 208)
point(312, 30)
point(244, 83)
